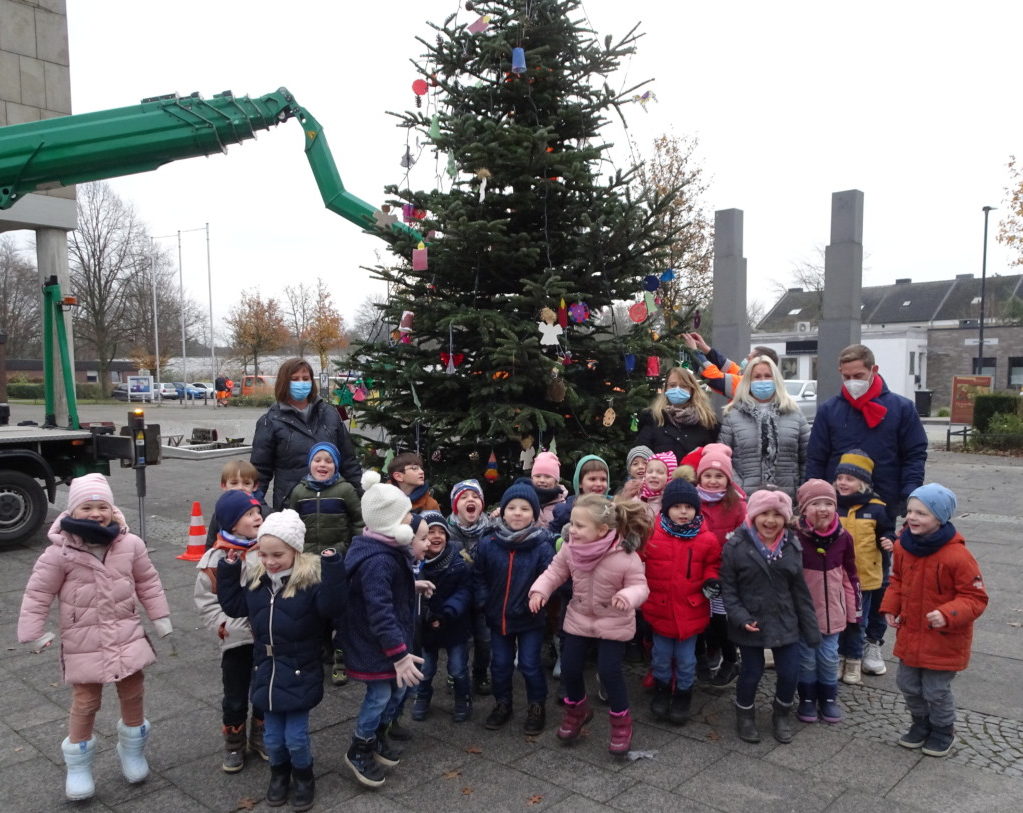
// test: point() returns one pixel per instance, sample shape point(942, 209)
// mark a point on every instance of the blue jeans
point(458, 668)
point(502, 664)
point(682, 652)
point(850, 642)
point(819, 664)
point(480, 644)
point(379, 707)
point(286, 736)
point(786, 668)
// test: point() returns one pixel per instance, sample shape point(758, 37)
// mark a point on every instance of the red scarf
point(873, 412)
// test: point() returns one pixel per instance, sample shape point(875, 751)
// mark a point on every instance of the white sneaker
point(873, 661)
point(769, 659)
point(851, 672)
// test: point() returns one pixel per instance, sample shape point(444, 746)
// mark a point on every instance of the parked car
point(188, 391)
point(121, 393)
point(167, 391)
point(204, 390)
point(804, 393)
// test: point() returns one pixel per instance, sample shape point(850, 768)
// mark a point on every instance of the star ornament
point(384, 218)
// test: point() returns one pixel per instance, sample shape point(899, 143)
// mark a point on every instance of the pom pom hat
point(521, 490)
point(460, 488)
point(286, 526)
point(668, 459)
point(232, 506)
point(384, 508)
point(86, 488)
point(939, 500)
point(858, 464)
point(716, 456)
point(547, 463)
point(765, 500)
point(679, 491)
point(815, 489)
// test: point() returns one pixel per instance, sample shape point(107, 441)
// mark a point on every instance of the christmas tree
point(504, 339)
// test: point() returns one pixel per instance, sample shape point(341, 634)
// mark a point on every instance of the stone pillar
point(843, 281)
point(51, 257)
point(730, 330)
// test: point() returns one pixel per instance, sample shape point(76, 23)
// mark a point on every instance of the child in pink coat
point(99, 572)
point(608, 585)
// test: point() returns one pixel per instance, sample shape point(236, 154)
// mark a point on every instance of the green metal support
point(53, 320)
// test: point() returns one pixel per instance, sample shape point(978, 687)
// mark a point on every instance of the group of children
point(680, 561)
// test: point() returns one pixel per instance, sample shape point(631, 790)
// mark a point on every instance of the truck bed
point(34, 434)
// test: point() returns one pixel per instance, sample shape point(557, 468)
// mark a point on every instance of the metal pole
point(156, 315)
point(209, 283)
point(181, 293)
point(983, 286)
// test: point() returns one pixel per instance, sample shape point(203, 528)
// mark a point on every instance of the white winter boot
point(130, 742)
point(78, 758)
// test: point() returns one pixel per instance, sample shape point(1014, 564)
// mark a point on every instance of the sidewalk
point(854, 766)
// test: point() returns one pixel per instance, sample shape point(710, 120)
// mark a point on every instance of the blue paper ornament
point(518, 60)
point(668, 275)
point(650, 282)
point(630, 362)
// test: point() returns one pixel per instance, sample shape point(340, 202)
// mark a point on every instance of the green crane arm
point(110, 143)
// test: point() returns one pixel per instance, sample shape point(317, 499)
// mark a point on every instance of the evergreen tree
point(535, 214)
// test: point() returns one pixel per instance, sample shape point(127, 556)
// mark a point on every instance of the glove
point(40, 643)
point(222, 632)
point(163, 626)
point(406, 673)
point(711, 588)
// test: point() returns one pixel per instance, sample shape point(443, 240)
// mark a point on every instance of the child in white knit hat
point(288, 597)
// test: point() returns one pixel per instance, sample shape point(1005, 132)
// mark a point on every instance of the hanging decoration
point(452, 165)
point(651, 305)
point(645, 98)
point(451, 361)
point(653, 366)
point(609, 416)
point(437, 456)
point(553, 448)
point(580, 312)
point(420, 87)
point(434, 128)
point(630, 362)
point(483, 174)
point(420, 260)
point(556, 389)
point(528, 453)
point(490, 473)
point(474, 456)
point(407, 160)
point(518, 61)
point(650, 282)
point(405, 326)
point(549, 331)
point(634, 423)
point(638, 312)
point(668, 275)
point(697, 318)
point(480, 25)
point(562, 313)
point(383, 217)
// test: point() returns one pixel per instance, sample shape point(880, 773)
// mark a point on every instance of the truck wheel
point(22, 506)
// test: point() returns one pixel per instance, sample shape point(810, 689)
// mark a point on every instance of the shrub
point(251, 400)
point(88, 392)
point(987, 405)
point(944, 412)
point(17, 389)
point(1003, 432)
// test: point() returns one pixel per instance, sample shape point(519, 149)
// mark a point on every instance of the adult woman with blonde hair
point(766, 430)
point(680, 418)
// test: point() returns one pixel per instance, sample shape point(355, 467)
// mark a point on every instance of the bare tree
point(755, 313)
point(20, 301)
point(368, 325)
point(298, 313)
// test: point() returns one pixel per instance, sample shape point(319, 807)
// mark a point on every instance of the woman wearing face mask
point(291, 427)
point(766, 430)
point(679, 419)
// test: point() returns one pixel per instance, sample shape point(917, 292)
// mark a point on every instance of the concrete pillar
point(843, 282)
point(730, 331)
point(51, 257)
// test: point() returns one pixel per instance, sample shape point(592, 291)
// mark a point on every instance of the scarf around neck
point(873, 412)
point(646, 493)
point(926, 545)
point(686, 531)
point(584, 557)
point(766, 416)
point(821, 540)
point(235, 542)
point(710, 496)
point(515, 538)
point(91, 531)
point(319, 485)
point(769, 554)
point(682, 415)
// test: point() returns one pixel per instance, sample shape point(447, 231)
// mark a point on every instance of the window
point(794, 311)
point(912, 362)
point(906, 303)
point(975, 300)
point(789, 366)
point(1016, 371)
point(813, 368)
point(985, 368)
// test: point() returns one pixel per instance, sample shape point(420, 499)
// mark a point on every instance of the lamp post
point(156, 313)
point(5, 410)
point(983, 285)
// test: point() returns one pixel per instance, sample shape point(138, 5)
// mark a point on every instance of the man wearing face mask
point(720, 373)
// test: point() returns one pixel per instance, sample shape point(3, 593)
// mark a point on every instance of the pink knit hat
point(88, 487)
point(763, 500)
point(716, 456)
point(547, 463)
point(668, 459)
point(815, 489)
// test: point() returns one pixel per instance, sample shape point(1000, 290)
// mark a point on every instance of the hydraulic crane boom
point(127, 140)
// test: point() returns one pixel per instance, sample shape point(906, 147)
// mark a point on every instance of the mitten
point(163, 626)
point(711, 588)
point(40, 643)
point(406, 673)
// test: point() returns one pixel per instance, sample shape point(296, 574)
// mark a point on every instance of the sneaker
point(873, 661)
point(536, 719)
point(481, 685)
point(918, 733)
point(234, 748)
point(338, 671)
point(462, 710)
point(499, 716)
point(360, 758)
point(940, 741)
point(387, 753)
point(725, 675)
point(851, 672)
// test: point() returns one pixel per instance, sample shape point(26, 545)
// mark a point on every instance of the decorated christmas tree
point(502, 337)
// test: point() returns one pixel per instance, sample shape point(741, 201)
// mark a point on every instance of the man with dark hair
point(722, 374)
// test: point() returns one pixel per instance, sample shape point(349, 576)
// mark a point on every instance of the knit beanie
point(521, 489)
point(88, 487)
point(417, 520)
point(668, 459)
point(330, 449)
point(384, 508)
point(286, 526)
point(637, 451)
point(716, 456)
point(679, 491)
point(232, 506)
point(857, 463)
point(547, 463)
point(460, 488)
point(764, 500)
point(815, 489)
point(939, 500)
point(435, 518)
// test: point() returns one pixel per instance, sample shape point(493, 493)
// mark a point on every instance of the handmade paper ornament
point(549, 333)
point(383, 217)
point(579, 311)
point(528, 453)
point(451, 361)
point(452, 166)
point(556, 391)
point(634, 423)
point(405, 326)
point(420, 260)
point(435, 127)
point(345, 397)
point(630, 362)
point(406, 212)
point(650, 282)
point(638, 312)
point(609, 416)
point(360, 394)
point(668, 275)
point(484, 175)
point(553, 448)
point(490, 473)
point(420, 87)
point(651, 305)
point(653, 366)
point(518, 61)
point(407, 161)
point(480, 25)
point(562, 313)
point(645, 98)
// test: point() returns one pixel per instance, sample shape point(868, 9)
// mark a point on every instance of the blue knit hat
point(330, 449)
point(679, 491)
point(232, 506)
point(432, 518)
point(521, 489)
point(939, 500)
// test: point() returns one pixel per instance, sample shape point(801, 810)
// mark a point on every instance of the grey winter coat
point(773, 594)
point(741, 431)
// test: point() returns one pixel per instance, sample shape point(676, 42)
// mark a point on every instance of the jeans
point(819, 664)
point(480, 644)
point(683, 652)
point(928, 693)
point(610, 655)
point(458, 668)
point(286, 735)
point(502, 665)
point(850, 644)
point(786, 667)
point(379, 707)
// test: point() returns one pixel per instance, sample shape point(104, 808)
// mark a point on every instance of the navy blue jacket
point(503, 572)
point(897, 445)
point(562, 514)
point(287, 632)
point(451, 600)
point(379, 624)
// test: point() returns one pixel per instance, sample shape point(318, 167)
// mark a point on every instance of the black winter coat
point(287, 632)
point(502, 575)
point(451, 600)
point(774, 594)
point(671, 438)
point(281, 444)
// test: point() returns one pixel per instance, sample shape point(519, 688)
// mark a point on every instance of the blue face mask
point(677, 395)
point(762, 390)
point(299, 390)
point(743, 364)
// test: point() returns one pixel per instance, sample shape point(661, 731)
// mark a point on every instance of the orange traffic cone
point(196, 536)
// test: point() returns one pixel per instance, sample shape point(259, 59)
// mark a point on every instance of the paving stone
point(568, 771)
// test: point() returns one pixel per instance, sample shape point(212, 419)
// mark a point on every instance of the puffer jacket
point(773, 594)
point(231, 632)
point(503, 572)
point(831, 577)
point(721, 519)
point(451, 600)
point(948, 580)
point(548, 508)
point(680, 439)
point(101, 634)
point(866, 519)
point(741, 431)
point(590, 613)
point(676, 569)
point(332, 516)
point(281, 444)
point(287, 629)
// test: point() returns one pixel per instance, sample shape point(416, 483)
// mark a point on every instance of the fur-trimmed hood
point(304, 573)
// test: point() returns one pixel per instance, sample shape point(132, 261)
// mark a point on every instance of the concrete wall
point(949, 355)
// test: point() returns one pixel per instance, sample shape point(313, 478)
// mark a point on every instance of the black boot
point(536, 719)
point(305, 788)
point(661, 704)
point(280, 779)
point(746, 723)
point(396, 731)
point(462, 710)
point(387, 754)
point(360, 758)
point(499, 716)
point(781, 721)
point(678, 713)
point(917, 734)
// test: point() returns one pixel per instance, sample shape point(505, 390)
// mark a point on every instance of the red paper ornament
point(638, 312)
point(449, 358)
point(563, 313)
point(420, 87)
point(653, 366)
point(491, 473)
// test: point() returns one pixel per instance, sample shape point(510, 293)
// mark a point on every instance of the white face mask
point(857, 388)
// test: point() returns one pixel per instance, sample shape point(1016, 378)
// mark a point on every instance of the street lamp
point(983, 285)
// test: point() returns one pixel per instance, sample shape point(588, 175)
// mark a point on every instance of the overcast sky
point(914, 103)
